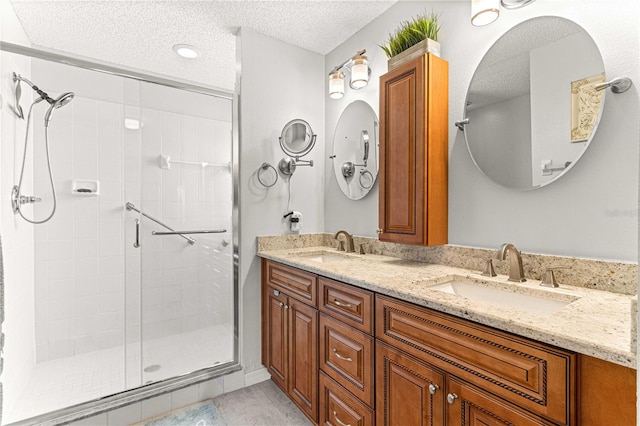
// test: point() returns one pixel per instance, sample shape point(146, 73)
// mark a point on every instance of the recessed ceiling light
point(186, 51)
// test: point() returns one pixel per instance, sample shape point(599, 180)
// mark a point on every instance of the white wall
point(279, 83)
point(553, 67)
point(16, 234)
point(591, 212)
point(494, 148)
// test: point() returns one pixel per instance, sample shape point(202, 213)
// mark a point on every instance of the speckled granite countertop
point(595, 323)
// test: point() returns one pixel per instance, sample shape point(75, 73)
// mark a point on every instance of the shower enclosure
point(130, 286)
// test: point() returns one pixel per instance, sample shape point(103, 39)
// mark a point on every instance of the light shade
point(359, 72)
point(186, 51)
point(336, 85)
point(484, 12)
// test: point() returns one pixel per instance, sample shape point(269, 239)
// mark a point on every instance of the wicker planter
point(415, 51)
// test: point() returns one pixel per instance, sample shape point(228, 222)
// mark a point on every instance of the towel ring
point(369, 178)
point(262, 169)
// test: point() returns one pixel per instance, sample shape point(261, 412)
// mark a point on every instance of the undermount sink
point(324, 256)
point(507, 295)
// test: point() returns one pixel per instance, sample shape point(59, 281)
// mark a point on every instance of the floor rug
point(200, 414)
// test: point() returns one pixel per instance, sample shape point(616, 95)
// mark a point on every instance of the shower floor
point(68, 381)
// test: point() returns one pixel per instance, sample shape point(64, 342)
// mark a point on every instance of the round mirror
point(297, 138)
point(355, 150)
point(531, 105)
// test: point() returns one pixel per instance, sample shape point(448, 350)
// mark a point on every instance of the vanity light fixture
point(186, 51)
point(358, 67)
point(484, 12)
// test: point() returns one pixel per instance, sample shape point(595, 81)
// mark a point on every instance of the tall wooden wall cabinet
point(414, 152)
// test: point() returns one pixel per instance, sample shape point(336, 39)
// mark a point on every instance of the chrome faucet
point(349, 238)
point(516, 273)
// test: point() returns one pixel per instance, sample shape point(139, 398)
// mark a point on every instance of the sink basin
point(324, 256)
point(506, 295)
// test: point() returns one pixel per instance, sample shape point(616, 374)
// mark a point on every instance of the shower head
point(61, 101)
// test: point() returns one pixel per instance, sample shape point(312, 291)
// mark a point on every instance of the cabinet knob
point(281, 304)
point(451, 398)
point(433, 389)
point(379, 231)
point(287, 306)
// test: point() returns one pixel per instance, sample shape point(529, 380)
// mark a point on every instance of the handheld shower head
point(61, 101)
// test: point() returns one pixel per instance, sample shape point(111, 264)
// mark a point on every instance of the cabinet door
point(469, 406)
point(274, 335)
point(408, 392)
point(414, 153)
point(402, 150)
point(303, 357)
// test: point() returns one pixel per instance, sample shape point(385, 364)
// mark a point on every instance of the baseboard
point(256, 376)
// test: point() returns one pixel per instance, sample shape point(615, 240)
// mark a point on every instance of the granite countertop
point(595, 323)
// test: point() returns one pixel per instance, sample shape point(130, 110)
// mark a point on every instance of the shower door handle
point(136, 243)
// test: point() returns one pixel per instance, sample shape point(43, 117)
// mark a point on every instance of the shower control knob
point(29, 199)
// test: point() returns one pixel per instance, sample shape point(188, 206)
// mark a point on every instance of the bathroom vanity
point(362, 340)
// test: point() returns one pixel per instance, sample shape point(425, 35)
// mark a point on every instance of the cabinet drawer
point(346, 355)
point(537, 377)
point(339, 408)
point(468, 406)
point(299, 284)
point(351, 305)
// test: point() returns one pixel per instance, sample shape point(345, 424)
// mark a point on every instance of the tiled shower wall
point(91, 284)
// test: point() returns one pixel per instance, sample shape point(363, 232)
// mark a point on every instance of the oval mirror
point(355, 150)
point(531, 104)
point(297, 138)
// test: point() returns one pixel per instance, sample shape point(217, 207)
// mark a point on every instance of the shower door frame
point(93, 407)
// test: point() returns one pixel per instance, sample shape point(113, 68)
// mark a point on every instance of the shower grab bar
point(131, 206)
point(210, 231)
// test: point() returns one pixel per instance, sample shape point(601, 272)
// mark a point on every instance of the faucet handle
point(488, 270)
point(362, 251)
point(549, 279)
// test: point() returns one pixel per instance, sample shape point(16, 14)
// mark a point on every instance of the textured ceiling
point(503, 73)
point(140, 34)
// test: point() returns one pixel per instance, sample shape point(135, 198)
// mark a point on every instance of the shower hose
point(24, 159)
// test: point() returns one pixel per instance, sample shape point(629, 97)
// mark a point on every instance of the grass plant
point(412, 32)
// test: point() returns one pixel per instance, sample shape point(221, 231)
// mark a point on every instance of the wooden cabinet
point(290, 342)
point(396, 363)
point(339, 408)
point(533, 376)
point(408, 391)
point(413, 173)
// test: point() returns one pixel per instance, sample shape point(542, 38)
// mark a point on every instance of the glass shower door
point(184, 293)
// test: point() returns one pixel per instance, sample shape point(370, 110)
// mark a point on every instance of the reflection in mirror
point(531, 104)
point(355, 150)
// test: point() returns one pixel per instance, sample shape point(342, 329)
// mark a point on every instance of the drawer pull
point(433, 389)
point(335, 416)
point(346, 305)
point(335, 351)
point(451, 398)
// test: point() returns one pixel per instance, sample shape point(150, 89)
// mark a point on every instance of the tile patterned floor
point(262, 404)
point(68, 381)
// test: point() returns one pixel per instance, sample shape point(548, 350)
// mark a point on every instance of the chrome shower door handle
point(136, 243)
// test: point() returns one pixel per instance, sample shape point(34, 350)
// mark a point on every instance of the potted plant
point(412, 39)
